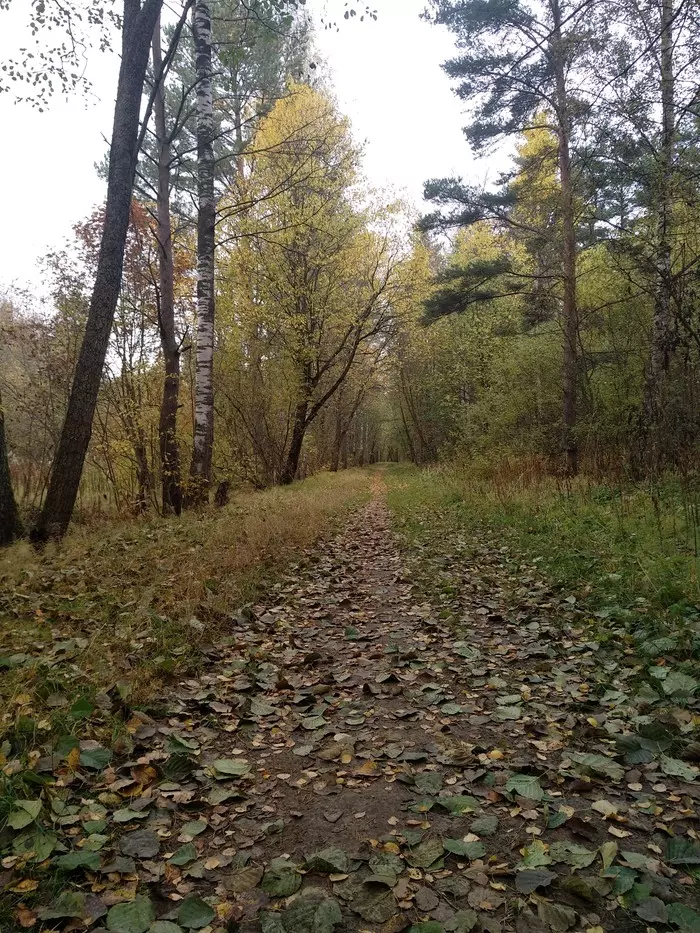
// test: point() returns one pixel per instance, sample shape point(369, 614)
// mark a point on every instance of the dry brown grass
point(144, 596)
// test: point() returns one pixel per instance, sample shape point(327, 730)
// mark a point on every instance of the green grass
point(624, 553)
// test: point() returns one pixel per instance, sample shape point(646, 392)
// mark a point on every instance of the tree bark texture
point(167, 427)
point(663, 338)
point(298, 433)
point(139, 20)
point(338, 441)
point(202, 452)
point(343, 424)
point(10, 526)
point(144, 476)
point(570, 307)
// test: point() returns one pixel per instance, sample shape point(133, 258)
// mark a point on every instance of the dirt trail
point(351, 763)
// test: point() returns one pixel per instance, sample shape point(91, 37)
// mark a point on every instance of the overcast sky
point(387, 79)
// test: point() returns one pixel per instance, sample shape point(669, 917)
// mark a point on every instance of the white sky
point(387, 79)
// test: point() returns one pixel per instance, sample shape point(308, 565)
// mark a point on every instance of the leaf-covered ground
point(352, 761)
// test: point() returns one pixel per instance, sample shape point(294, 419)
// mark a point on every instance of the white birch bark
point(200, 471)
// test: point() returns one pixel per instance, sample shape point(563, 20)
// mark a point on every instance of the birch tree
point(203, 441)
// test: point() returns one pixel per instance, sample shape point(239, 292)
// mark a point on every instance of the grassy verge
point(117, 612)
point(628, 556)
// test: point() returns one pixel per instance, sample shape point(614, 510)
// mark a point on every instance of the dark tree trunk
point(223, 493)
point(139, 21)
point(134, 429)
point(339, 455)
point(424, 452)
point(335, 453)
point(10, 526)
point(203, 446)
point(144, 476)
point(570, 308)
point(342, 428)
point(299, 430)
point(662, 342)
point(409, 437)
point(338, 433)
point(167, 427)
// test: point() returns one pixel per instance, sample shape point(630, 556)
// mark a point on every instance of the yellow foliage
point(314, 277)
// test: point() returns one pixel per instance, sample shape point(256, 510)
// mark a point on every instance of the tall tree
point(663, 325)
point(648, 114)
point(138, 23)
point(662, 339)
point(167, 429)
point(203, 443)
point(515, 61)
point(558, 61)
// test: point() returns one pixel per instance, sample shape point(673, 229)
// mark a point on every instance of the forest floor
point(361, 753)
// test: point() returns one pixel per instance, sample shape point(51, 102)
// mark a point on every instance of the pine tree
point(514, 62)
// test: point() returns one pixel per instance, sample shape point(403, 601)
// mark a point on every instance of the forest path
point(347, 745)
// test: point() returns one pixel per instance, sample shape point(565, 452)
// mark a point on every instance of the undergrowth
point(627, 554)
